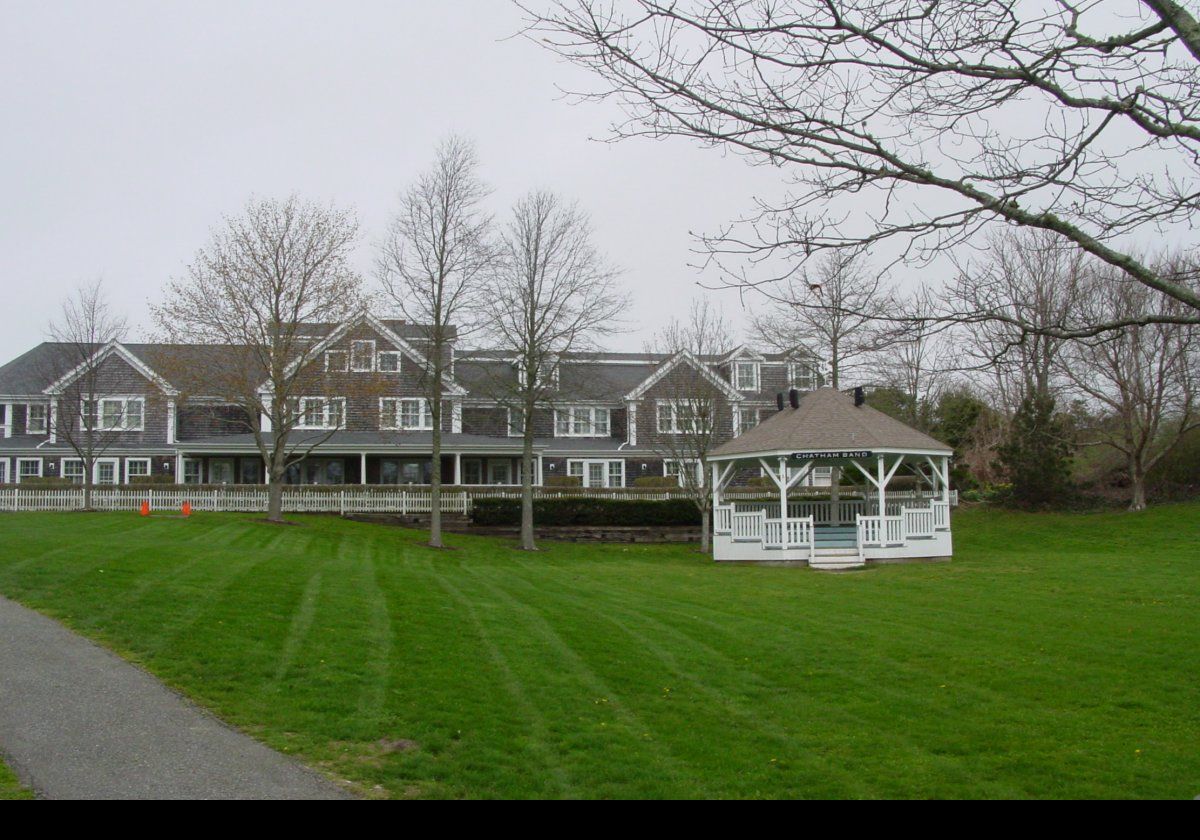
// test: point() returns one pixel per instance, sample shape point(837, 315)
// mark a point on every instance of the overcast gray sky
point(131, 127)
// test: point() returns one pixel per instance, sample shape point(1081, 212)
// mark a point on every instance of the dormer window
point(802, 375)
point(745, 376)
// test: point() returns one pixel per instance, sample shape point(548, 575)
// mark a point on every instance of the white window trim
point(370, 355)
point(675, 428)
point(146, 461)
point(45, 428)
point(592, 413)
point(98, 415)
point(741, 413)
point(696, 464)
point(326, 403)
point(508, 424)
point(182, 478)
point(17, 475)
point(606, 462)
point(793, 370)
point(424, 410)
point(389, 353)
point(62, 467)
point(116, 465)
point(757, 378)
point(345, 366)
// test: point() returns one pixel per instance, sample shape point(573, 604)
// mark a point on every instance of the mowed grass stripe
point(1066, 646)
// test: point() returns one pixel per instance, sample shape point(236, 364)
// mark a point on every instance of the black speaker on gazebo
point(793, 398)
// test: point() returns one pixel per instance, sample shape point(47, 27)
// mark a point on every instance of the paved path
point(79, 722)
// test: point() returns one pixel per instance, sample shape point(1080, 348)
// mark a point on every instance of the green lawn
point(10, 788)
point(1057, 656)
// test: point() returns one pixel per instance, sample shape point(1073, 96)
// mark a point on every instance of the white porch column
point(945, 479)
point(538, 479)
point(362, 468)
point(53, 423)
point(458, 468)
point(716, 494)
point(8, 419)
point(179, 468)
point(882, 494)
point(783, 496)
point(171, 421)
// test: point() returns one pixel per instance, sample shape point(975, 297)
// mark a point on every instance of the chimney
point(793, 398)
point(859, 397)
point(779, 400)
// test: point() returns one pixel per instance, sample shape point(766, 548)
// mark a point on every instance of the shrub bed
point(587, 511)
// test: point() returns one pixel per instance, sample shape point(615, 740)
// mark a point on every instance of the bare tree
point(916, 122)
point(1029, 284)
point(552, 294)
point(699, 400)
point(430, 265)
point(832, 310)
point(265, 278)
point(1144, 378)
point(79, 413)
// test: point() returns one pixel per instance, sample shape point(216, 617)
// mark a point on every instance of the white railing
point(748, 526)
point(723, 519)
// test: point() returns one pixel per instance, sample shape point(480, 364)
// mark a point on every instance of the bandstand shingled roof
point(826, 420)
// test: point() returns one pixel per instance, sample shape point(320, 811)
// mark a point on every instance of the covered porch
point(856, 524)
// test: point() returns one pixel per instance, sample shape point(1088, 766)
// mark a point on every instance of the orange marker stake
point(186, 510)
point(145, 509)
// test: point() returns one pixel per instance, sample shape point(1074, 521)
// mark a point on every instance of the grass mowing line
point(373, 695)
point(756, 717)
point(535, 721)
point(547, 633)
point(745, 718)
point(298, 630)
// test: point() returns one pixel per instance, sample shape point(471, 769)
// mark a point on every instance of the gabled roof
point(683, 357)
point(113, 347)
point(742, 351)
point(827, 420)
point(339, 332)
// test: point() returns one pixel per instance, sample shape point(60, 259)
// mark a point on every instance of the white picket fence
point(311, 500)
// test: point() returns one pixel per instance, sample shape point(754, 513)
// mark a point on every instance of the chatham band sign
point(847, 453)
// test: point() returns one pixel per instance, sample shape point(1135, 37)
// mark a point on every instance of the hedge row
point(587, 511)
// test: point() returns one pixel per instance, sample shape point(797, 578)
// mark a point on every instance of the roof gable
point(112, 348)
point(683, 357)
point(338, 333)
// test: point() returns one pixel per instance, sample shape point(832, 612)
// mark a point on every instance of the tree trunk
point(705, 529)
point(436, 486)
point(87, 490)
point(527, 541)
point(1137, 479)
point(275, 495)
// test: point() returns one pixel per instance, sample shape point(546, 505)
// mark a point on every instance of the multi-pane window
point(136, 468)
point(582, 421)
point(684, 471)
point(72, 470)
point(322, 413)
point(516, 422)
point(747, 419)
point(117, 414)
point(389, 361)
point(407, 414)
point(745, 376)
point(803, 376)
point(678, 416)
point(335, 361)
point(362, 355)
point(106, 472)
point(29, 468)
point(192, 471)
point(35, 418)
point(597, 473)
